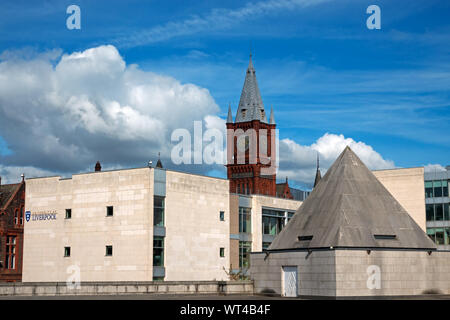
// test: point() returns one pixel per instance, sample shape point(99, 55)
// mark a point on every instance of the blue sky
point(316, 62)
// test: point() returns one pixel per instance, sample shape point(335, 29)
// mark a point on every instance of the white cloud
point(299, 162)
point(60, 114)
point(216, 19)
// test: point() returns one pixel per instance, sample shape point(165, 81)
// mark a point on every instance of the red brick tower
point(251, 148)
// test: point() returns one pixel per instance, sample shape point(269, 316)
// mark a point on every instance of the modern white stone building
point(141, 225)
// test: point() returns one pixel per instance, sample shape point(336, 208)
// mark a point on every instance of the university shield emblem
point(27, 215)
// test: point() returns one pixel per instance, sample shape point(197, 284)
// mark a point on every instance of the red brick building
point(12, 218)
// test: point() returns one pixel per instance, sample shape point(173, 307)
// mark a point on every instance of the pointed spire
point(250, 62)
point(159, 163)
point(230, 114)
point(272, 118)
point(251, 106)
point(318, 175)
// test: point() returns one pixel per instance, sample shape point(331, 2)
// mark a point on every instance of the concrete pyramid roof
point(251, 106)
point(351, 208)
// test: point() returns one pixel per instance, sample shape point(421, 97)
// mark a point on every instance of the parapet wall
point(123, 288)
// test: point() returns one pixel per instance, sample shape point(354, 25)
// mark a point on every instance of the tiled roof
point(6, 192)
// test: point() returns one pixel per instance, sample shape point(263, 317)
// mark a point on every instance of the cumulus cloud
point(61, 113)
point(299, 162)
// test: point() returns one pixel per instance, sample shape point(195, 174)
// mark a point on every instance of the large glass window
point(445, 188)
point(245, 248)
point(438, 212)
point(437, 188)
point(158, 211)
point(428, 189)
point(245, 220)
point(440, 236)
point(446, 211)
point(272, 221)
point(430, 212)
point(158, 251)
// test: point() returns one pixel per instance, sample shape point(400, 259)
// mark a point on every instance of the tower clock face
point(242, 143)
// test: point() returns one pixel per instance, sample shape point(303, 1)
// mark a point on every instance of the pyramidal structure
point(350, 208)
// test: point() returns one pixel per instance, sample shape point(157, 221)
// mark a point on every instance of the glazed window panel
point(445, 188)
point(430, 212)
point(244, 254)
point(437, 188)
point(158, 211)
point(158, 251)
point(438, 212)
point(245, 220)
point(440, 236)
point(428, 189)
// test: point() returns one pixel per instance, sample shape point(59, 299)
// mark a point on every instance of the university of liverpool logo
point(27, 215)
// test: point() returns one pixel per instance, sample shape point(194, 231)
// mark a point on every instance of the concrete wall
point(407, 187)
point(194, 232)
point(89, 230)
point(123, 288)
point(316, 276)
point(402, 272)
point(345, 273)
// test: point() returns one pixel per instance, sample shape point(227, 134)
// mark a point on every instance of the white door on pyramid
point(289, 281)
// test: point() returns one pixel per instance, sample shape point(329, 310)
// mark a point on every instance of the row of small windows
point(158, 252)
point(158, 212)
point(438, 212)
point(440, 236)
point(436, 188)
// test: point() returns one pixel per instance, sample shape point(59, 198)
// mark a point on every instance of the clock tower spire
point(251, 158)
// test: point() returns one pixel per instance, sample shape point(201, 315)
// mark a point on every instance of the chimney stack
point(98, 167)
point(23, 177)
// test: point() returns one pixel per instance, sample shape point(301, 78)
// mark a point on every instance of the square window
point(109, 251)
point(222, 252)
point(66, 251)
point(222, 216)
point(109, 211)
point(68, 213)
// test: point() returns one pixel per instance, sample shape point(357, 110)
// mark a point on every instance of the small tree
point(235, 275)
